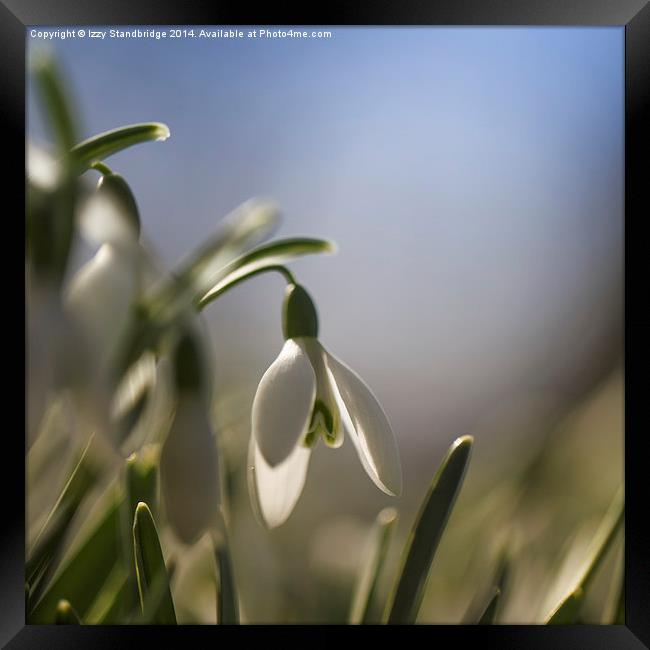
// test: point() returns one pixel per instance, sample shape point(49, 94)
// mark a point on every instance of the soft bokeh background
point(473, 181)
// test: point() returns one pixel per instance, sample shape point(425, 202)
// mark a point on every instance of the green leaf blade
point(49, 543)
point(568, 609)
point(227, 602)
point(489, 614)
point(108, 143)
point(428, 530)
point(53, 96)
point(150, 568)
point(141, 476)
point(366, 590)
point(89, 566)
point(246, 226)
point(267, 257)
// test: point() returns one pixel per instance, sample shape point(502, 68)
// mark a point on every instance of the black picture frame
point(632, 15)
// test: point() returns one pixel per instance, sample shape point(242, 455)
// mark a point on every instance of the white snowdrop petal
point(283, 404)
point(189, 471)
point(102, 220)
point(274, 491)
point(100, 294)
point(368, 427)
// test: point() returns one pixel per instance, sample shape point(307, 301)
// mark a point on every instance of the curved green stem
point(102, 168)
point(282, 270)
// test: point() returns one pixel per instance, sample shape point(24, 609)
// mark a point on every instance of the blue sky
point(472, 178)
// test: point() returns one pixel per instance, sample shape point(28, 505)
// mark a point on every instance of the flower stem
point(278, 268)
point(102, 168)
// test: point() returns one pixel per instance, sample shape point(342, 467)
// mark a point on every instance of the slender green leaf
point(489, 614)
point(364, 599)
point(504, 571)
point(247, 225)
point(142, 479)
point(89, 566)
point(227, 603)
point(619, 617)
point(111, 142)
point(568, 609)
point(65, 614)
point(107, 608)
point(614, 591)
point(141, 483)
point(425, 535)
point(50, 212)
point(150, 566)
point(53, 97)
point(268, 256)
point(48, 545)
point(171, 567)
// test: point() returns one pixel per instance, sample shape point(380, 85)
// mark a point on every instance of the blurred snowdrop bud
point(51, 196)
point(110, 214)
point(189, 469)
point(99, 298)
point(101, 294)
point(305, 394)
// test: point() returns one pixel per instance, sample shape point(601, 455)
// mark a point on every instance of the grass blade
point(50, 213)
point(108, 606)
point(89, 566)
point(426, 534)
point(489, 614)
point(111, 142)
point(150, 567)
point(65, 614)
point(365, 594)
point(227, 603)
point(619, 617)
point(141, 479)
point(568, 610)
point(613, 597)
point(48, 544)
point(246, 226)
point(52, 95)
point(270, 255)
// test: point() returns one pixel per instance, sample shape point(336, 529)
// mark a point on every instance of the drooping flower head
point(189, 467)
point(305, 395)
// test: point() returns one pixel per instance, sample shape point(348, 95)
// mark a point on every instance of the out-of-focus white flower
point(101, 294)
point(305, 394)
point(189, 468)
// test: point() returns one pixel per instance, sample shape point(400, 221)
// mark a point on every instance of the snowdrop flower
point(189, 469)
point(100, 295)
point(308, 393)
